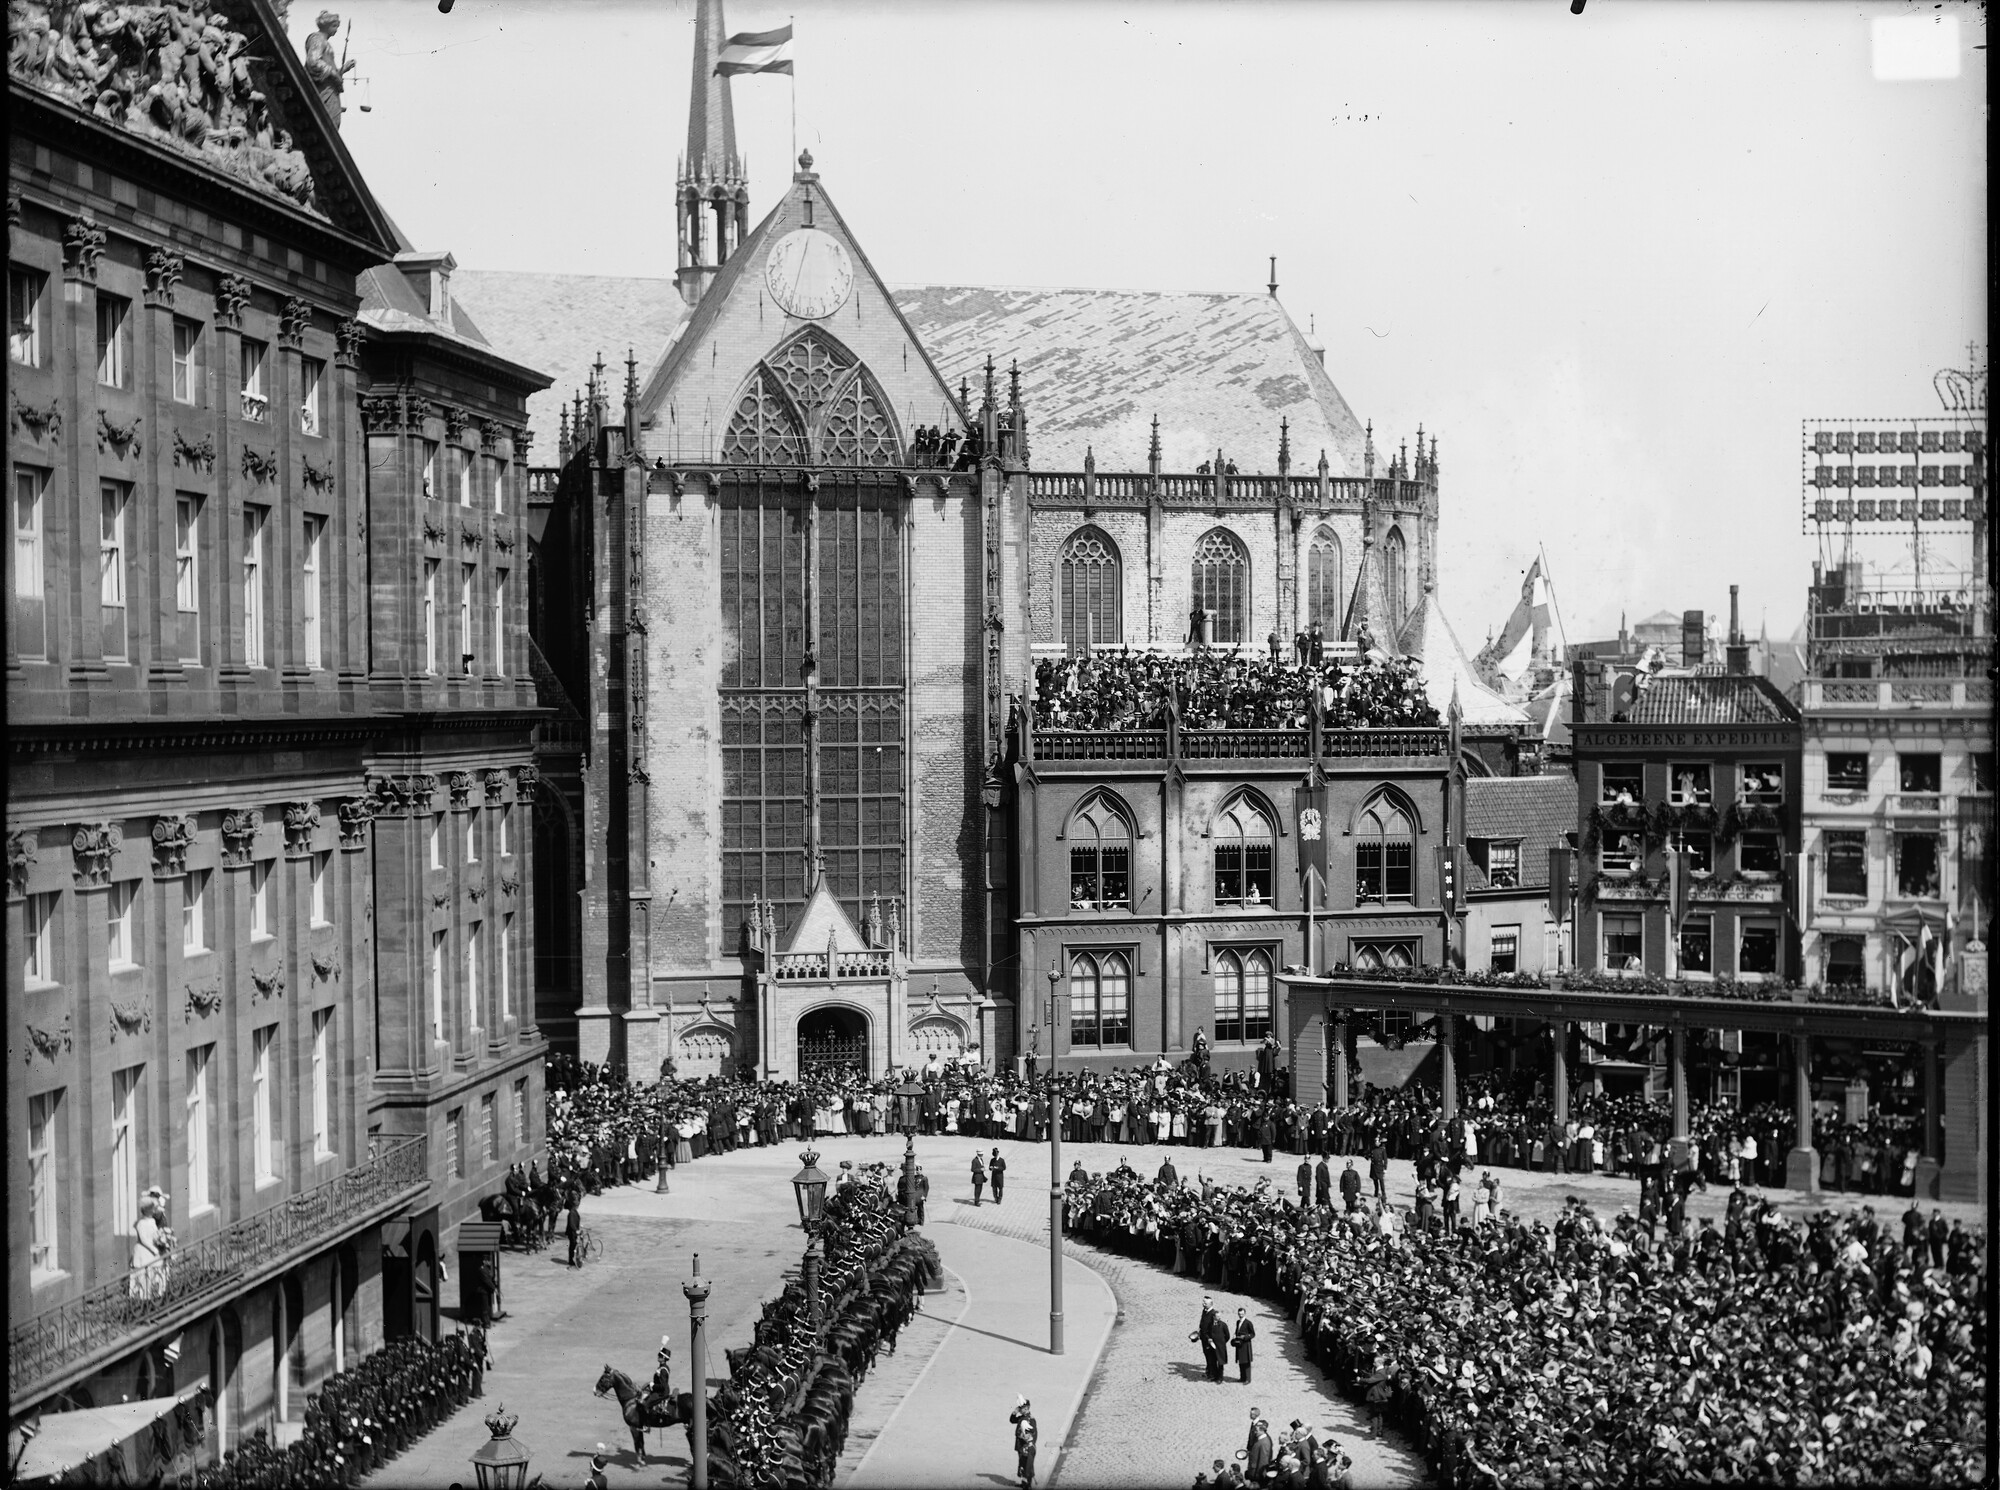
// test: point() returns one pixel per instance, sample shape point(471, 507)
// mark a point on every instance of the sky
point(1612, 260)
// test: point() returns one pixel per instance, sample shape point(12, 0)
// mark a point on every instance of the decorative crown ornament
point(500, 1422)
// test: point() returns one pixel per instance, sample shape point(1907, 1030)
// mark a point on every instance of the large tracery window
point(1100, 859)
point(1324, 600)
point(1222, 586)
point(1384, 854)
point(812, 403)
point(1395, 579)
point(1242, 995)
point(1090, 592)
point(1242, 855)
point(1100, 999)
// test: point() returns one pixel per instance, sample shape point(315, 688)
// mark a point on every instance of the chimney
point(1274, 274)
point(1692, 623)
point(1739, 650)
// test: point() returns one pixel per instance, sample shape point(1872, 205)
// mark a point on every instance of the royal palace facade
point(271, 717)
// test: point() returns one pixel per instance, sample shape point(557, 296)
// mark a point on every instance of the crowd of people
point(1219, 690)
point(1592, 1351)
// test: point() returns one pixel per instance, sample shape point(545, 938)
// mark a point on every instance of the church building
point(793, 575)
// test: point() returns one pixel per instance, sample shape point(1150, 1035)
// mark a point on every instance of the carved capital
point(294, 321)
point(232, 297)
point(491, 432)
point(200, 1003)
point(496, 784)
point(356, 813)
point(455, 422)
point(173, 836)
point(526, 780)
point(522, 437)
point(348, 337)
point(239, 836)
point(301, 822)
point(94, 846)
point(402, 796)
point(83, 246)
point(460, 784)
point(20, 862)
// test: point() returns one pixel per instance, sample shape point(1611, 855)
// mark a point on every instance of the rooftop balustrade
point(1898, 695)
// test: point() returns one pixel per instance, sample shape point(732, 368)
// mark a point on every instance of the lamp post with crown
point(501, 1463)
point(660, 1138)
point(910, 1095)
point(1055, 1172)
point(697, 1297)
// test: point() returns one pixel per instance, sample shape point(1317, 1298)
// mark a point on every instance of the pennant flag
point(756, 51)
point(1525, 636)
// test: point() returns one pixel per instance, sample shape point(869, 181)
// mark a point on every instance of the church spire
point(711, 196)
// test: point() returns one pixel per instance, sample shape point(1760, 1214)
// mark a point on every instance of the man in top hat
point(1210, 1356)
point(996, 1170)
point(1244, 1339)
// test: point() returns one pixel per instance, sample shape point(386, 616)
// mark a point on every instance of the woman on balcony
point(151, 1241)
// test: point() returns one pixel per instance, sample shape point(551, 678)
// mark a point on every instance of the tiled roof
point(1097, 365)
point(1538, 810)
point(389, 303)
point(1732, 698)
point(562, 323)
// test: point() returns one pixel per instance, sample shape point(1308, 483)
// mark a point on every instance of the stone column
point(1447, 1030)
point(1677, 1077)
point(1802, 1164)
point(1931, 1151)
point(1559, 1086)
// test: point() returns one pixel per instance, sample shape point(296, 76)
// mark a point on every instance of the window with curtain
point(1100, 986)
point(1384, 853)
point(1242, 995)
point(1089, 592)
point(1242, 837)
point(1221, 581)
point(1325, 601)
point(1395, 580)
point(1100, 858)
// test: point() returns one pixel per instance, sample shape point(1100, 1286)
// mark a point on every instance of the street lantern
point(909, 1105)
point(809, 1186)
point(502, 1461)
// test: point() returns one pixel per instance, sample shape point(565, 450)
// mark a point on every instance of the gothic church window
point(1242, 855)
point(1100, 987)
point(1100, 858)
point(1395, 577)
point(1090, 592)
point(1384, 853)
point(1324, 598)
point(1242, 996)
point(812, 403)
point(1222, 586)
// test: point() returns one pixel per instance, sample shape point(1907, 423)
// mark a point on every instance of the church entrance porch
point(832, 1040)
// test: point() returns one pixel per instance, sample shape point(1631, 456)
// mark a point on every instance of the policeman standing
point(1025, 1434)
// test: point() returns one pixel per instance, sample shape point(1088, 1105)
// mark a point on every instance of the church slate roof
point(1096, 365)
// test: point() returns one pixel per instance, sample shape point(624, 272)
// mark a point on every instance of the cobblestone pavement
point(885, 1389)
point(1152, 1417)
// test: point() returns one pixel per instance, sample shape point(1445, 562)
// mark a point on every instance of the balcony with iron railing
point(70, 1340)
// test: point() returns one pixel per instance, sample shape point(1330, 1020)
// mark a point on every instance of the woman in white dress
point(150, 1243)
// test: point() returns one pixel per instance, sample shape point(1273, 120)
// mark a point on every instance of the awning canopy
point(66, 1440)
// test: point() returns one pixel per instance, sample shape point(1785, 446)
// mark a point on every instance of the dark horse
point(641, 1410)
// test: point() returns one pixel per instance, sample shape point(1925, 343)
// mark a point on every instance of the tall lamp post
point(660, 1140)
point(697, 1297)
point(1055, 1174)
point(909, 1094)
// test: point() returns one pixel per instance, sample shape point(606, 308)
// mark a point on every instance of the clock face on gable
point(809, 274)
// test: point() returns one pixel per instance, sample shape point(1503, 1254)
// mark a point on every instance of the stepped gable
point(1538, 810)
point(1731, 698)
point(562, 323)
point(1220, 370)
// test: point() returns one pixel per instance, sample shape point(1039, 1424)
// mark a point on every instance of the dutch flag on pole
point(756, 51)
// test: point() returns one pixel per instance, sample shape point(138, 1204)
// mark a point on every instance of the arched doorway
point(831, 1039)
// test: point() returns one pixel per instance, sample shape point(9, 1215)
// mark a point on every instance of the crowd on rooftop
point(1109, 690)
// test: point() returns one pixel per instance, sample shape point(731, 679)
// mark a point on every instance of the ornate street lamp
point(809, 1187)
point(501, 1463)
point(909, 1095)
point(1055, 1172)
point(660, 1137)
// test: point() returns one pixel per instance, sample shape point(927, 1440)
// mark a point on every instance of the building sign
point(1926, 472)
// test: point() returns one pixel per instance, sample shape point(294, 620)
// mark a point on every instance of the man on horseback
point(661, 1393)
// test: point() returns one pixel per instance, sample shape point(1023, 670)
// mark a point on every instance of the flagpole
point(1554, 605)
point(793, 78)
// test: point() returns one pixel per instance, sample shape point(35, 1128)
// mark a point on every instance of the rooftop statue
point(169, 70)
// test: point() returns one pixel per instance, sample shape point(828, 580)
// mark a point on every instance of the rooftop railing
point(85, 1333)
point(1898, 695)
point(1227, 490)
point(1054, 744)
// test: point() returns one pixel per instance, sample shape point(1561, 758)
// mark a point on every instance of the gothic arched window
point(1100, 858)
point(1090, 592)
point(1242, 995)
point(812, 403)
point(1325, 599)
point(1384, 853)
point(1242, 836)
point(1222, 586)
point(1395, 577)
point(1100, 999)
